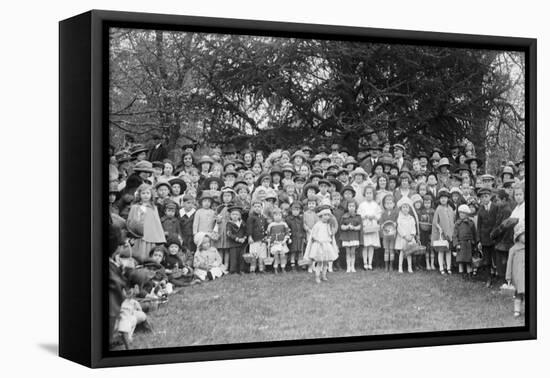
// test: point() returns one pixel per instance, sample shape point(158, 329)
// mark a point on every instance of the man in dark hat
point(369, 162)
point(158, 151)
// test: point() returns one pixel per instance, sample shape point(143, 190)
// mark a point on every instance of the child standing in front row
point(425, 219)
point(515, 268)
point(144, 223)
point(310, 219)
point(256, 225)
point(464, 239)
point(321, 246)
point(278, 234)
point(443, 227)
point(406, 231)
point(297, 233)
point(370, 212)
point(236, 234)
point(388, 220)
point(350, 233)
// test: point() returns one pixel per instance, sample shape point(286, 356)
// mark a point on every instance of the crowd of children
point(245, 212)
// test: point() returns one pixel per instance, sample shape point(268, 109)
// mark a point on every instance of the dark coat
point(158, 154)
point(297, 232)
point(186, 227)
point(486, 222)
point(501, 235)
point(256, 226)
point(171, 227)
point(235, 231)
point(367, 165)
point(464, 235)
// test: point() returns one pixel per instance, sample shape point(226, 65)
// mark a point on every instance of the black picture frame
point(83, 140)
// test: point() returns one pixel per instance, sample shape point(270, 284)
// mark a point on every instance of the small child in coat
point(464, 240)
point(425, 220)
point(170, 224)
point(515, 267)
point(443, 227)
point(256, 224)
point(278, 234)
point(187, 217)
point(236, 232)
point(350, 233)
point(297, 233)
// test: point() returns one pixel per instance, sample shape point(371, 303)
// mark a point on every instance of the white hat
point(404, 201)
point(464, 209)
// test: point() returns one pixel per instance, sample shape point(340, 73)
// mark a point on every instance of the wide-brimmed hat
point(163, 183)
point(299, 178)
point(317, 174)
point(288, 168)
point(206, 183)
point(227, 189)
point(463, 167)
point(205, 159)
point(443, 192)
point(482, 191)
point(230, 209)
point(337, 184)
point(464, 209)
point(137, 149)
point(311, 186)
point(270, 194)
point(276, 169)
point(444, 162)
point(469, 160)
point(144, 166)
point(122, 156)
point(359, 171)
point(508, 182)
point(508, 170)
point(230, 172)
point(206, 194)
point(182, 184)
point(350, 160)
point(487, 177)
point(416, 198)
point(299, 153)
point(170, 204)
point(324, 209)
point(306, 148)
point(404, 201)
point(350, 188)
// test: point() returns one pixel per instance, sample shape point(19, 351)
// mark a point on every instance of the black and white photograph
point(264, 188)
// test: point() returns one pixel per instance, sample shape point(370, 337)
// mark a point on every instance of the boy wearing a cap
point(464, 240)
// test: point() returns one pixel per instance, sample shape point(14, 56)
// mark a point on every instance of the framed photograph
point(253, 188)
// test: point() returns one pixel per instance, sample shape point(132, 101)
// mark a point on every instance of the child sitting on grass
point(207, 261)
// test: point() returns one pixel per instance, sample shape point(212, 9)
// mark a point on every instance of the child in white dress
point(370, 213)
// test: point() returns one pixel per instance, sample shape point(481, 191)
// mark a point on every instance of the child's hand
point(250, 240)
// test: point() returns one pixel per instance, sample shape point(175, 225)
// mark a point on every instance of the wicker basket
point(248, 258)
point(508, 290)
point(370, 229)
point(268, 261)
point(440, 245)
point(414, 248)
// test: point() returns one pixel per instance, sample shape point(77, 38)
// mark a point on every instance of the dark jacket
point(132, 183)
point(501, 235)
point(486, 222)
point(256, 226)
point(171, 227)
point(235, 231)
point(297, 232)
point(158, 154)
point(186, 227)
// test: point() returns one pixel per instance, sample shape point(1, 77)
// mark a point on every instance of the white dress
point(370, 209)
point(406, 225)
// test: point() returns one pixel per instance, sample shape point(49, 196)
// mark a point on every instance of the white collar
point(189, 213)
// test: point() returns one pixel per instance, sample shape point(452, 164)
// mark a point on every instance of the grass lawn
point(251, 308)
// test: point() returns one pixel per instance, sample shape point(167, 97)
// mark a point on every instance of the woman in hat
point(515, 267)
point(144, 223)
point(443, 175)
point(321, 246)
point(443, 228)
point(464, 240)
